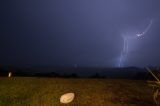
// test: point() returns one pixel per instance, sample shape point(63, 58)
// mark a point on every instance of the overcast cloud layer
point(83, 32)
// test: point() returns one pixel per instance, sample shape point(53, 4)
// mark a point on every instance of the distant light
point(9, 74)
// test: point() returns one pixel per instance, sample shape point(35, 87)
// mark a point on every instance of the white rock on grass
point(67, 98)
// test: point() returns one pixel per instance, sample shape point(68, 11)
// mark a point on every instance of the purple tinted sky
point(83, 32)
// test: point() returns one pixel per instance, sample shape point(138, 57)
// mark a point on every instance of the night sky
point(80, 33)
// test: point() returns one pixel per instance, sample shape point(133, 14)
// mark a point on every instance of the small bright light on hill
point(9, 74)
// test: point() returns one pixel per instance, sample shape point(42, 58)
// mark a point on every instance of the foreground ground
point(19, 91)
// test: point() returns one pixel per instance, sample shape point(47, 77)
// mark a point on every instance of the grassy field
point(20, 91)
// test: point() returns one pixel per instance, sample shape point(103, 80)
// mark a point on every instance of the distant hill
point(91, 72)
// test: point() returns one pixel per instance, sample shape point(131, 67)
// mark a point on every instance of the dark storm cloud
point(84, 32)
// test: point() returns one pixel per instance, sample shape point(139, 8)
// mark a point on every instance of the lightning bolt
point(126, 40)
point(124, 52)
point(146, 30)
